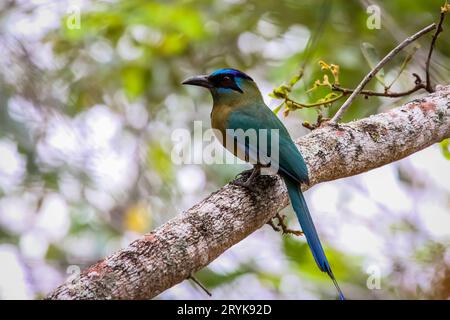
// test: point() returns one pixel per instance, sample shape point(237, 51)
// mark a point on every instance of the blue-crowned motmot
point(238, 104)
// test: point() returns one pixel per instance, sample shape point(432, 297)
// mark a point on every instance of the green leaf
point(159, 160)
point(213, 279)
point(51, 180)
point(300, 256)
point(54, 253)
point(277, 109)
point(173, 44)
point(372, 57)
point(296, 78)
point(133, 79)
point(445, 147)
point(302, 259)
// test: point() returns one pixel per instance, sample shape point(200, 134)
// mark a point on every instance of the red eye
point(226, 80)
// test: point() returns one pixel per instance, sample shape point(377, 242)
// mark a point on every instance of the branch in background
point(297, 105)
point(292, 105)
point(444, 10)
point(192, 240)
point(282, 92)
point(337, 117)
point(198, 283)
point(369, 93)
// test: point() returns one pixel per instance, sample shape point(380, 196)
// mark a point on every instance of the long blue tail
point(304, 217)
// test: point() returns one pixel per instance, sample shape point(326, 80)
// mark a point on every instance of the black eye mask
point(225, 81)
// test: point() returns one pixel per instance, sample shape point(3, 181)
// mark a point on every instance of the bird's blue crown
point(232, 72)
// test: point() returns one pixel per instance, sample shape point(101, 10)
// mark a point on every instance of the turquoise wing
point(257, 117)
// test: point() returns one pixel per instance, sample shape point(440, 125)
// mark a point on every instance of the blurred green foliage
point(445, 145)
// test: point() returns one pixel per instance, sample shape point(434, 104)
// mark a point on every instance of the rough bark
point(189, 242)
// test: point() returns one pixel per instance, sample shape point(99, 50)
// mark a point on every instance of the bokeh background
point(86, 117)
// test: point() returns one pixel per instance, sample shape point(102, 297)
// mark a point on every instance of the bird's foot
point(272, 224)
point(244, 173)
point(248, 184)
point(281, 226)
point(244, 184)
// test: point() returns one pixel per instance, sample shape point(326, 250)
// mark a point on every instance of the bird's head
point(228, 86)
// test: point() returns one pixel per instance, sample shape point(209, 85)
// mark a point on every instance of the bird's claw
point(246, 184)
point(243, 173)
point(281, 226)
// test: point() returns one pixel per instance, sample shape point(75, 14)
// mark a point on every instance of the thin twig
point(370, 93)
point(320, 119)
point(197, 282)
point(337, 117)
point(403, 66)
point(298, 105)
point(439, 29)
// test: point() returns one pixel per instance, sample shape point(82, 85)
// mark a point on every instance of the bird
point(239, 104)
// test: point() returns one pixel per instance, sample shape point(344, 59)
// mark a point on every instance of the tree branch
point(369, 93)
point(190, 241)
point(439, 29)
point(377, 68)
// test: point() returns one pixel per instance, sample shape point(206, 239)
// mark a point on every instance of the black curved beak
point(201, 81)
